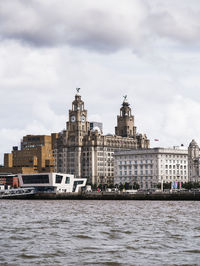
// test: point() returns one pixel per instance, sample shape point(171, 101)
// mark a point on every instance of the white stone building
point(148, 167)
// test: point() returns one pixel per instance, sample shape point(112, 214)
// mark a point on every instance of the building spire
point(125, 98)
point(78, 89)
point(125, 101)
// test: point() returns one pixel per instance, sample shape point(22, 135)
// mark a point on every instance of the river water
point(99, 232)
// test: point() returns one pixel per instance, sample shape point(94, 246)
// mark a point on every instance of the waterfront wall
point(110, 196)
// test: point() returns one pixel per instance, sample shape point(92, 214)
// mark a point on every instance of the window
point(59, 179)
point(67, 180)
point(75, 185)
point(35, 179)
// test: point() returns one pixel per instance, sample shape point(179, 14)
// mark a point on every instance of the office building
point(35, 155)
point(148, 167)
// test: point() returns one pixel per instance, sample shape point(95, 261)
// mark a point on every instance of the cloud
point(145, 49)
point(103, 26)
point(92, 25)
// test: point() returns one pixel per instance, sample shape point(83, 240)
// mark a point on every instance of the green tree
point(110, 186)
point(135, 185)
point(167, 185)
point(159, 185)
point(191, 185)
point(100, 186)
point(126, 186)
point(121, 186)
point(94, 187)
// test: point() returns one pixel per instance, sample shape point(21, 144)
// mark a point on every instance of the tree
point(100, 186)
point(167, 185)
point(121, 186)
point(191, 185)
point(135, 185)
point(110, 186)
point(159, 185)
point(94, 187)
point(126, 186)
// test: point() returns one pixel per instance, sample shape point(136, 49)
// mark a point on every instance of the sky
point(148, 50)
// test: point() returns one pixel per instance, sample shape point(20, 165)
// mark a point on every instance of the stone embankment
point(110, 196)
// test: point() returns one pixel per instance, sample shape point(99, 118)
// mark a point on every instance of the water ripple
point(99, 233)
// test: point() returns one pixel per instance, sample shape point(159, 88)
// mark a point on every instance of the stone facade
point(88, 153)
point(194, 161)
point(148, 167)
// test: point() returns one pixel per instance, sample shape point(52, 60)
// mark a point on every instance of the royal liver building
point(83, 150)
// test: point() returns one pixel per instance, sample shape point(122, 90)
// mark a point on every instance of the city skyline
point(151, 54)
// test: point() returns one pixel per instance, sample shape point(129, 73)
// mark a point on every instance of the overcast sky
point(147, 49)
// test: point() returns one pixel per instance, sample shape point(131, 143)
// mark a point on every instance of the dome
point(193, 144)
point(96, 129)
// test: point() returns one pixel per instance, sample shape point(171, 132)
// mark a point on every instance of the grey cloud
point(94, 26)
point(184, 28)
point(38, 25)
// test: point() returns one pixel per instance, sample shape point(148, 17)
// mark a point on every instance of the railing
point(16, 192)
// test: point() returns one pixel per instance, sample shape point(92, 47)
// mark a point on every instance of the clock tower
point(125, 121)
point(77, 129)
point(77, 125)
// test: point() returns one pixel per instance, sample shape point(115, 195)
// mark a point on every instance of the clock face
point(83, 118)
point(73, 118)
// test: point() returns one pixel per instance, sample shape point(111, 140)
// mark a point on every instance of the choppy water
point(99, 233)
